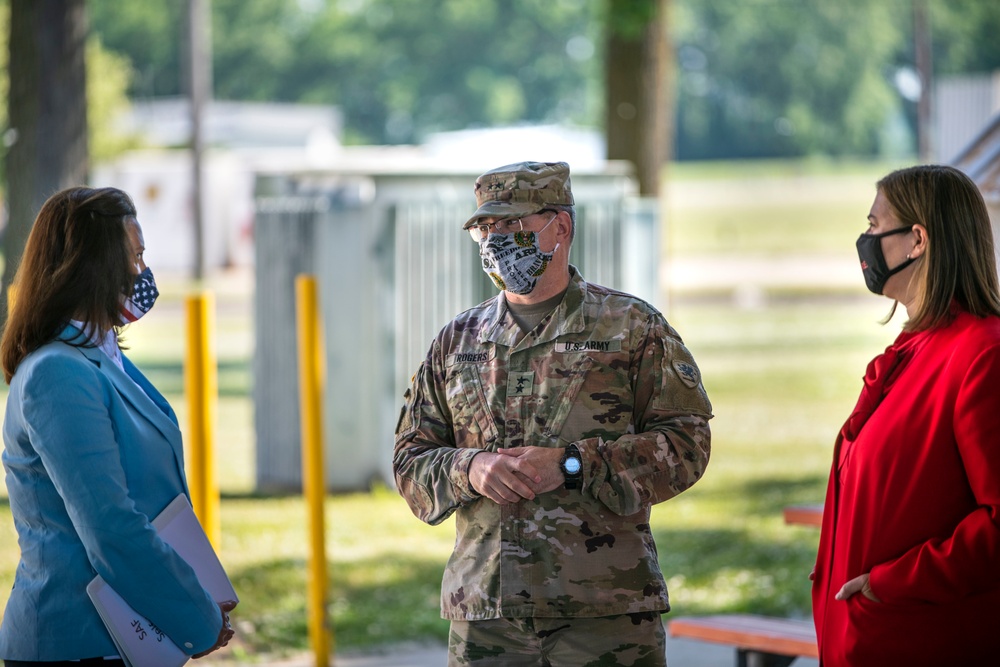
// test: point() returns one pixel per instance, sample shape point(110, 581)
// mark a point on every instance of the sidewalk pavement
point(680, 653)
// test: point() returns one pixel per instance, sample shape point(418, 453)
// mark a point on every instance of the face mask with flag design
point(143, 297)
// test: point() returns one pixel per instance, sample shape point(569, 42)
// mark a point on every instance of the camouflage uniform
point(604, 371)
point(575, 642)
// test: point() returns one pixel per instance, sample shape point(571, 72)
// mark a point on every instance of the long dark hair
point(76, 265)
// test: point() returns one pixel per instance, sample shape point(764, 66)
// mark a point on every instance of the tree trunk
point(48, 114)
point(638, 113)
point(199, 63)
point(923, 58)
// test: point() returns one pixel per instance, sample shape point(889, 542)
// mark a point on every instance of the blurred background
point(724, 156)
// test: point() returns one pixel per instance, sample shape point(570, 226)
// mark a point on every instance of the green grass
point(384, 568)
point(782, 377)
point(784, 208)
point(781, 388)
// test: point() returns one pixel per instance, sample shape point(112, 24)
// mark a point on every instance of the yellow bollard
point(311, 378)
point(201, 384)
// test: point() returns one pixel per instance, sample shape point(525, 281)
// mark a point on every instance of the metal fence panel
point(284, 246)
point(393, 269)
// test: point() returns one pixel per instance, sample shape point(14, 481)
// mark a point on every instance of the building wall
point(963, 106)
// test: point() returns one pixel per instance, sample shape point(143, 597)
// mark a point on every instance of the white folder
point(139, 642)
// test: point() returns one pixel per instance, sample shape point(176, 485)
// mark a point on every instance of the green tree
point(396, 68)
point(754, 78)
point(47, 113)
point(772, 78)
point(251, 63)
point(637, 114)
point(965, 36)
point(402, 68)
point(149, 35)
point(5, 135)
point(52, 151)
point(108, 77)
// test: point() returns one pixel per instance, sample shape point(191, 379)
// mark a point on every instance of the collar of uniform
point(567, 318)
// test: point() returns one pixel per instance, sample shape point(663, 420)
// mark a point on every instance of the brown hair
point(959, 265)
point(76, 265)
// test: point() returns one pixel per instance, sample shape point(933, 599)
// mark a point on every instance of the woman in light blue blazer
point(91, 450)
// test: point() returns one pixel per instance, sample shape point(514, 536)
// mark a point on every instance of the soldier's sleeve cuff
point(460, 475)
point(593, 464)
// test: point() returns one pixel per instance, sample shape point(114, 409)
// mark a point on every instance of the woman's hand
point(226, 633)
point(855, 585)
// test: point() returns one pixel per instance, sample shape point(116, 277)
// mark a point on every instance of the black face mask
point(873, 265)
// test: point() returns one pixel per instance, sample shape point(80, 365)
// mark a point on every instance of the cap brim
point(503, 209)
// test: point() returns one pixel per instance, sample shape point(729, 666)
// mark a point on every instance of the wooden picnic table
point(804, 515)
point(759, 640)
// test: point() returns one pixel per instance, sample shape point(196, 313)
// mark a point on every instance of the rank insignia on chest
point(521, 384)
point(688, 373)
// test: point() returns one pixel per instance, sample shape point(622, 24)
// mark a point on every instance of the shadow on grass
point(753, 564)
point(757, 566)
point(769, 496)
point(723, 571)
point(376, 489)
point(372, 604)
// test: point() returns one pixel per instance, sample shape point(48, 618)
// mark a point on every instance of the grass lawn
point(782, 376)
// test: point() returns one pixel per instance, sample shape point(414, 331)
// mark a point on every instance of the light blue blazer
point(91, 455)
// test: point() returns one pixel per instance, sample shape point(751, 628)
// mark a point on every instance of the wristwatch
point(572, 466)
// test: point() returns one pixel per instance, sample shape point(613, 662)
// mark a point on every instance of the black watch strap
point(571, 465)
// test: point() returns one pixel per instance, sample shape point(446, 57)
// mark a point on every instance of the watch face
point(572, 465)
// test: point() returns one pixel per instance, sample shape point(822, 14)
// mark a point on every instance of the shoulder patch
point(688, 373)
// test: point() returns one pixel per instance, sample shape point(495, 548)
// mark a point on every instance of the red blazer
point(914, 499)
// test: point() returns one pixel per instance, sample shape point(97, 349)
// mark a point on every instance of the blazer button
point(188, 645)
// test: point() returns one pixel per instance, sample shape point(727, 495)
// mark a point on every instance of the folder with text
point(140, 643)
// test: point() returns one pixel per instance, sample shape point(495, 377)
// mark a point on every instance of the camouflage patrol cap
point(521, 189)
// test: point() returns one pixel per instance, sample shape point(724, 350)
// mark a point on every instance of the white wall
point(160, 184)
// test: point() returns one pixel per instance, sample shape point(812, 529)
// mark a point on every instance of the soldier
point(550, 418)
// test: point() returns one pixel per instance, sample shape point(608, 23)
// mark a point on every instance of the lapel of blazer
point(135, 389)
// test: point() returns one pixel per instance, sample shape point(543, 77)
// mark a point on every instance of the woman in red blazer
point(908, 569)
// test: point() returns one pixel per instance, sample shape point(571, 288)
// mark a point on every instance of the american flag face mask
point(143, 297)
